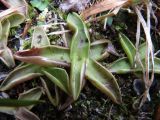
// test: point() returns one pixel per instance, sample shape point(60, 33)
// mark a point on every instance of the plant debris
point(74, 5)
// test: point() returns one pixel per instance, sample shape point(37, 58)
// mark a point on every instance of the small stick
point(26, 28)
point(5, 3)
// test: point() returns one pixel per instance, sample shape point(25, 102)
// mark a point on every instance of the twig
point(109, 114)
point(5, 3)
point(137, 56)
point(64, 36)
point(149, 51)
point(58, 32)
point(26, 28)
point(109, 14)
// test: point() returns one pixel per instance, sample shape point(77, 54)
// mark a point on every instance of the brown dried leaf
point(102, 6)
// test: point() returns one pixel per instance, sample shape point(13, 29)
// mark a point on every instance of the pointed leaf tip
point(103, 80)
point(20, 75)
point(128, 47)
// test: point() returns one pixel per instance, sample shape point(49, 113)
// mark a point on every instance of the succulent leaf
point(4, 33)
point(6, 54)
point(20, 75)
point(45, 56)
point(79, 53)
point(15, 19)
point(128, 47)
point(97, 51)
point(142, 51)
point(58, 76)
point(120, 66)
point(103, 80)
point(32, 94)
point(39, 38)
point(53, 100)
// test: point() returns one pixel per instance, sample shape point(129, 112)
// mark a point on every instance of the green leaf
point(15, 6)
point(58, 76)
point(40, 4)
point(103, 80)
point(7, 57)
point(142, 51)
point(79, 53)
point(8, 21)
point(5, 32)
point(53, 100)
point(56, 55)
point(39, 38)
point(17, 103)
point(77, 77)
point(97, 51)
point(120, 66)
point(32, 94)
point(157, 65)
point(20, 75)
point(45, 56)
point(8, 110)
point(16, 19)
point(128, 47)
point(16, 3)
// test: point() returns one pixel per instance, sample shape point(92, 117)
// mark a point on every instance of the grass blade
point(17, 103)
